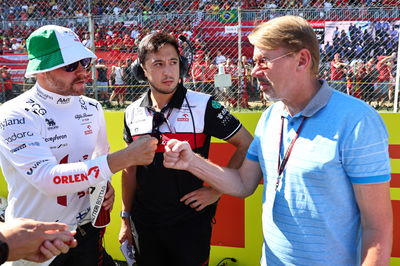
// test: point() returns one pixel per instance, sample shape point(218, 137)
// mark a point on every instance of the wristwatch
point(3, 252)
point(125, 214)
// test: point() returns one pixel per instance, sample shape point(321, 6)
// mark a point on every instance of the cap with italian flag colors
point(51, 47)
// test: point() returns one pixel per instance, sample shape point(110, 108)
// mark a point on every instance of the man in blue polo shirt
point(323, 156)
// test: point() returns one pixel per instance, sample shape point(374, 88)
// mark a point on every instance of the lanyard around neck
point(281, 166)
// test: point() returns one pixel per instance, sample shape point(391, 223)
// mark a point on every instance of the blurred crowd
point(351, 61)
point(120, 36)
point(28, 9)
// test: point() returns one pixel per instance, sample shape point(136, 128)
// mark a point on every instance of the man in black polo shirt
point(172, 210)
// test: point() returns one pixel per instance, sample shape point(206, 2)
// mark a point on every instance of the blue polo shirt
point(313, 217)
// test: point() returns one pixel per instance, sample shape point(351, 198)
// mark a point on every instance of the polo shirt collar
point(320, 99)
point(175, 102)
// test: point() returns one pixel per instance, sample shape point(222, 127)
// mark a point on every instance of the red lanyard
point(281, 166)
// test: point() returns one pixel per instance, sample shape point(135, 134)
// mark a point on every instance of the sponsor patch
point(76, 178)
point(63, 100)
point(215, 104)
point(34, 166)
point(19, 135)
point(10, 122)
point(55, 137)
point(184, 118)
point(89, 130)
point(51, 124)
point(20, 147)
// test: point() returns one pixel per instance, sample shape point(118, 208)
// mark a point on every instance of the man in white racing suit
point(54, 147)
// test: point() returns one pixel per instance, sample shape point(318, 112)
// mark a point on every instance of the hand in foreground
point(143, 149)
point(109, 197)
point(50, 249)
point(201, 198)
point(178, 154)
point(125, 233)
point(25, 238)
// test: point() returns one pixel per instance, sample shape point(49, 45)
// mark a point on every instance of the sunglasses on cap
point(85, 62)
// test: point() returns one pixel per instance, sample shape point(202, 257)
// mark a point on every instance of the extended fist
point(143, 149)
point(178, 154)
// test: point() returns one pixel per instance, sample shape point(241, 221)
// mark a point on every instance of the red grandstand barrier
point(230, 212)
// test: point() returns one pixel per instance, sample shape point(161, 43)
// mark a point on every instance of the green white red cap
point(51, 47)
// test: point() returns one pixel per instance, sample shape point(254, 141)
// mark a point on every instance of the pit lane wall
point(237, 232)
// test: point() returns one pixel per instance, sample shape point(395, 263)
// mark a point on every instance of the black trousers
point(89, 251)
point(183, 244)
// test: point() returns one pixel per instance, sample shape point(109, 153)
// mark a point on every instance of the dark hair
point(154, 42)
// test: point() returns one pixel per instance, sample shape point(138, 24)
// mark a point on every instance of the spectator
point(384, 88)
point(209, 70)
point(102, 81)
point(7, 83)
point(198, 75)
point(371, 74)
point(118, 88)
point(100, 43)
point(86, 41)
point(16, 46)
point(128, 44)
point(220, 58)
point(132, 85)
point(338, 71)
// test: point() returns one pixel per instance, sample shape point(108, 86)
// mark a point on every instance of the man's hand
point(26, 238)
point(125, 232)
point(178, 154)
point(109, 197)
point(139, 152)
point(50, 249)
point(142, 150)
point(201, 198)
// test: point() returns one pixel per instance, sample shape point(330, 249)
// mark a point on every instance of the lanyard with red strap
point(281, 166)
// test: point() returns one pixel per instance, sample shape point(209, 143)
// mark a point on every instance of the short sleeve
point(219, 122)
point(365, 151)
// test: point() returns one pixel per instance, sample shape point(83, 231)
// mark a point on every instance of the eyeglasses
point(265, 62)
point(85, 62)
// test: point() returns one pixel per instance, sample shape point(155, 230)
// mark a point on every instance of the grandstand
point(360, 31)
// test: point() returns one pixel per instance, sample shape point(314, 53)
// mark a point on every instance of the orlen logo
point(20, 135)
point(185, 118)
point(76, 178)
point(89, 130)
point(95, 170)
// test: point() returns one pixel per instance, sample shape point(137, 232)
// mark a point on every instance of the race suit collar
point(176, 100)
point(52, 97)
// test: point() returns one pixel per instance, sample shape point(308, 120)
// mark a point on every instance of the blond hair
point(289, 32)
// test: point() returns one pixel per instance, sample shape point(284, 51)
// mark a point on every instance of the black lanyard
point(281, 166)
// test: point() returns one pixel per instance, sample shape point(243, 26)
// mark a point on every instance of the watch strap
point(3, 252)
point(125, 214)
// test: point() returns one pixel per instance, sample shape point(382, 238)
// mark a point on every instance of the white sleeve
point(28, 155)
